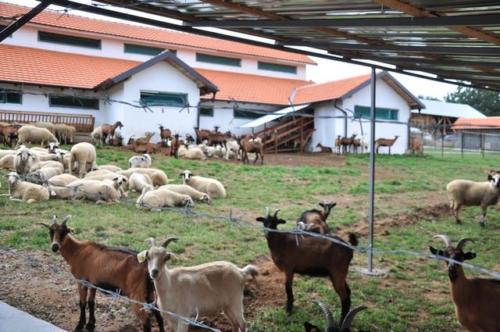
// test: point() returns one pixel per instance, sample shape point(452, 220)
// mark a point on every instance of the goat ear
point(43, 224)
point(141, 257)
point(433, 250)
point(261, 219)
point(281, 221)
point(469, 255)
point(311, 328)
point(490, 177)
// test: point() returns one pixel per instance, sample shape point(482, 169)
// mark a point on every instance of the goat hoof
point(79, 328)
point(289, 309)
point(458, 221)
point(482, 224)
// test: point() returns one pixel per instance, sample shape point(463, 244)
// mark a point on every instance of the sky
point(326, 70)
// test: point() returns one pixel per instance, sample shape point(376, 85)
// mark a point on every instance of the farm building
point(479, 133)
point(87, 71)
point(440, 115)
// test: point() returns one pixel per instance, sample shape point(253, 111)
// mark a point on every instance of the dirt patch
point(40, 283)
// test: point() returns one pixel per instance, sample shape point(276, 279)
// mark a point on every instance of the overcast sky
point(326, 70)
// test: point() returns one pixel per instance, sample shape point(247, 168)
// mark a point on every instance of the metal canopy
point(455, 40)
point(271, 117)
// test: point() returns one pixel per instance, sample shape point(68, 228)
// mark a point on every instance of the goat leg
point(82, 290)
point(289, 291)
point(91, 301)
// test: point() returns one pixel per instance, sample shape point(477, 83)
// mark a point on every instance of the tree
point(428, 98)
point(485, 101)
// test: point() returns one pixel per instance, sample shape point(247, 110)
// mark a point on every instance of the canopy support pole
point(371, 173)
point(14, 26)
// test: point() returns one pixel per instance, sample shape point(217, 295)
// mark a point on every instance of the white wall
point(328, 129)
point(162, 78)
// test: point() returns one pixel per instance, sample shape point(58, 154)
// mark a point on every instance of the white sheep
point(7, 162)
point(45, 173)
point(472, 193)
point(194, 153)
point(143, 161)
point(35, 135)
point(100, 174)
point(7, 152)
point(187, 190)
point(47, 163)
point(24, 160)
point(62, 180)
point(26, 191)
point(118, 181)
point(232, 149)
point(200, 290)
point(212, 187)
point(62, 192)
point(84, 155)
point(111, 168)
point(138, 181)
point(155, 200)
point(47, 125)
point(94, 190)
point(97, 135)
point(64, 132)
point(158, 177)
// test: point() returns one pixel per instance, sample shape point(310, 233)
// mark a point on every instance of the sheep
point(158, 177)
point(62, 180)
point(111, 168)
point(118, 181)
point(471, 193)
point(64, 133)
point(194, 153)
point(96, 191)
point(62, 192)
point(138, 181)
point(96, 136)
point(309, 255)
point(24, 160)
point(45, 173)
point(476, 300)
point(205, 289)
point(26, 191)
point(187, 190)
point(143, 161)
point(331, 324)
point(232, 149)
point(84, 155)
point(155, 200)
point(47, 125)
point(35, 135)
point(315, 220)
point(209, 186)
point(115, 269)
point(7, 152)
point(7, 162)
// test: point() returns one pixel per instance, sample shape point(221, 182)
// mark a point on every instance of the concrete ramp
point(12, 319)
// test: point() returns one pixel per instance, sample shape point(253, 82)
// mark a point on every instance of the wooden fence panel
point(82, 122)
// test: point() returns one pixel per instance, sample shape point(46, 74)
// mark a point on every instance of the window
point(68, 40)
point(219, 60)
point(240, 114)
point(76, 102)
point(277, 67)
point(380, 113)
point(164, 99)
point(141, 49)
point(11, 97)
point(206, 111)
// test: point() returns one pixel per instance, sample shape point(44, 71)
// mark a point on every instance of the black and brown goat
point(315, 220)
point(311, 256)
point(249, 144)
point(114, 269)
point(477, 300)
point(331, 324)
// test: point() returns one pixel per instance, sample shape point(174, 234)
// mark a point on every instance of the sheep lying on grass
point(209, 186)
point(84, 155)
point(24, 161)
point(471, 193)
point(158, 177)
point(62, 192)
point(26, 191)
point(62, 180)
point(143, 161)
point(138, 181)
point(96, 191)
point(187, 190)
point(111, 168)
point(7, 162)
point(155, 200)
point(193, 153)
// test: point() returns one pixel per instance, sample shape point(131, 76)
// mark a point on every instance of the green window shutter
point(380, 113)
point(141, 49)
point(11, 97)
point(277, 67)
point(219, 60)
point(74, 102)
point(207, 111)
point(164, 99)
point(240, 114)
point(68, 40)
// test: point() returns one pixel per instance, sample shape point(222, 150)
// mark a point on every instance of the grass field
point(413, 297)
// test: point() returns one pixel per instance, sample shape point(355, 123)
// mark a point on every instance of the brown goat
point(165, 133)
point(142, 145)
point(315, 220)
point(338, 144)
point(347, 142)
point(416, 145)
point(387, 142)
point(201, 135)
point(476, 300)
point(9, 133)
point(114, 269)
point(309, 255)
point(248, 144)
point(109, 130)
point(324, 148)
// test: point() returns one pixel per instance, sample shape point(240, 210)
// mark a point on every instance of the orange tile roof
point(491, 122)
point(171, 39)
point(329, 90)
point(41, 67)
point(251, 88)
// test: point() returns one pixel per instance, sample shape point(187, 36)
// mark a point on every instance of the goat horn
point(151, 241)
point(267, 211)
point(276, 213)
point(346, 324)
point(462, 242)
point(54, 219)
point(66, 219)
point(330, 323)
point(445, 239)
point(167, 241)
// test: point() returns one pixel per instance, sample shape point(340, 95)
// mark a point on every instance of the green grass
point(414, 296)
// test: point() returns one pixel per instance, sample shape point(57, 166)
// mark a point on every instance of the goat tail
point(250, 272)
point(353, 239)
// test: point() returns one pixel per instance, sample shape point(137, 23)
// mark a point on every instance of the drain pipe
point(345, 116)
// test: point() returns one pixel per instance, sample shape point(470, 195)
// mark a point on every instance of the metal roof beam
point(14, 26)
point(482, 20)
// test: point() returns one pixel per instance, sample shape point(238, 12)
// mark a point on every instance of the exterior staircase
point(291, 135)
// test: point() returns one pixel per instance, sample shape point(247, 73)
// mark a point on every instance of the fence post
point(462, 143)
point(481, 137)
